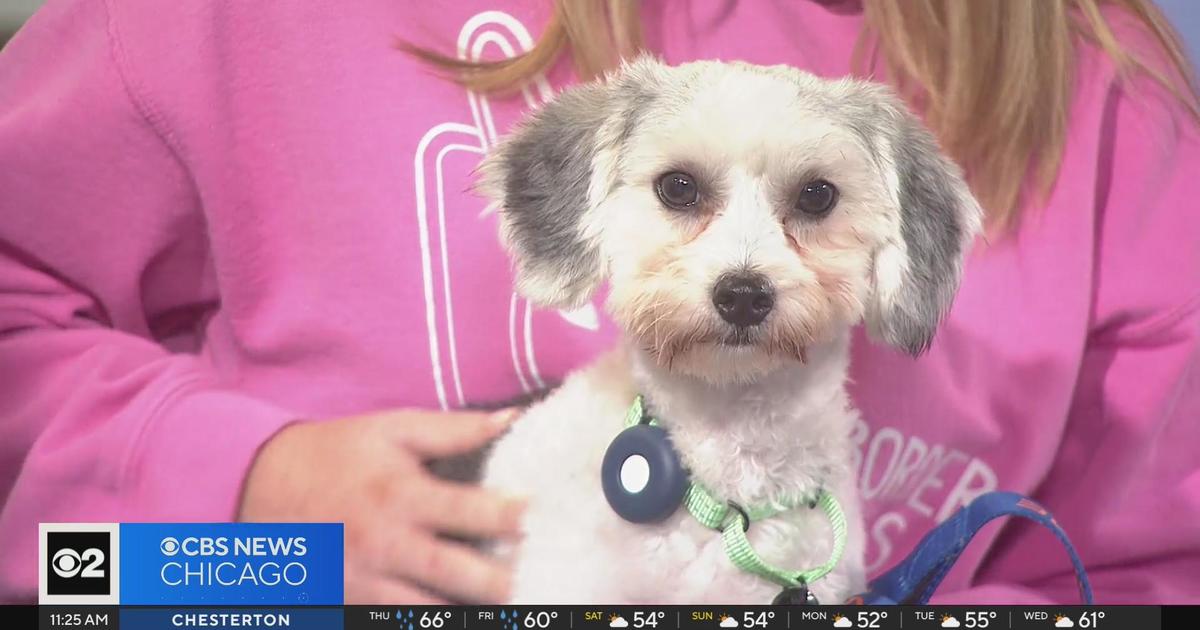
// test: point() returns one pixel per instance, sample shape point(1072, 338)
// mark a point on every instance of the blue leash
point(913, 581)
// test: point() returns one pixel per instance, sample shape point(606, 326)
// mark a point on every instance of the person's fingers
point(431, 435)
point(381, 590)
point(456, 570)
point(467, 510)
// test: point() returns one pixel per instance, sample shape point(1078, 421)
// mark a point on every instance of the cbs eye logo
point(78, 563)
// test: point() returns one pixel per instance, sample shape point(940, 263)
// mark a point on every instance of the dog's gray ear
point(550, 174)
point(917, 273)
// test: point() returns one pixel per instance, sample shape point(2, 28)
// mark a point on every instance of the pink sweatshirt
point(219, 217)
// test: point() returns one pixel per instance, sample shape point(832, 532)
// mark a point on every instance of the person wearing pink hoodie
point(241, 278)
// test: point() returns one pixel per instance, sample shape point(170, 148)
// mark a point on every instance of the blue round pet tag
point(643, 479)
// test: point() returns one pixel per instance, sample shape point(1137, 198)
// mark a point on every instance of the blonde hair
point(993, 78)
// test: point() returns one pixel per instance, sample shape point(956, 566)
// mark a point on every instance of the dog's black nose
point(743, 299)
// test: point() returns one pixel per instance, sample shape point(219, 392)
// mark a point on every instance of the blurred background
point(1185, 14)
point(13, 13)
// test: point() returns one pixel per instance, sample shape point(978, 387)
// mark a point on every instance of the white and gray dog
point(744, 218)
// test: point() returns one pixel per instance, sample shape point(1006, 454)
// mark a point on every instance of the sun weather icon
point(950, 621)
point(727, 622)
point(842, 621)
point(1063, 621)
point(508, 619)
point(617, 621)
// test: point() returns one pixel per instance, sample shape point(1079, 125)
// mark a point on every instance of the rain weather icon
point(950, 621)
point(508, 619)
point(1063, 621)
point(840, 621)
point(728, 622)
point(617, 621)
point(405, 617)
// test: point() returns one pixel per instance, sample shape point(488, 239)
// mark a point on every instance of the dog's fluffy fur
point(757, 420)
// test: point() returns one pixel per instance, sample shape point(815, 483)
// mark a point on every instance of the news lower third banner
point(143, 576)
point(212, 565)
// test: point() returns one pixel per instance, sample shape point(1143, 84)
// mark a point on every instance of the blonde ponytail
point(993, 78)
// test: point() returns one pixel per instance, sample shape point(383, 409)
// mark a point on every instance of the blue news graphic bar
point(309, 618)
point(231, 564)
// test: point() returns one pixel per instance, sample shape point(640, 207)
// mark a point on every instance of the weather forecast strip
point(751, 618)
point(62, 617)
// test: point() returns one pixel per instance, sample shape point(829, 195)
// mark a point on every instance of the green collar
point(733, 521)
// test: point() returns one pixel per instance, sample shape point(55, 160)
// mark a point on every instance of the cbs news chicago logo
point(77, 563)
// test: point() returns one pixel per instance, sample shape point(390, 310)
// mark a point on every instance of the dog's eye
point(817, 198)
point(678, 190)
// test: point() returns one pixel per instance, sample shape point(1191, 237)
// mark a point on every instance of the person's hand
point(369, 472)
